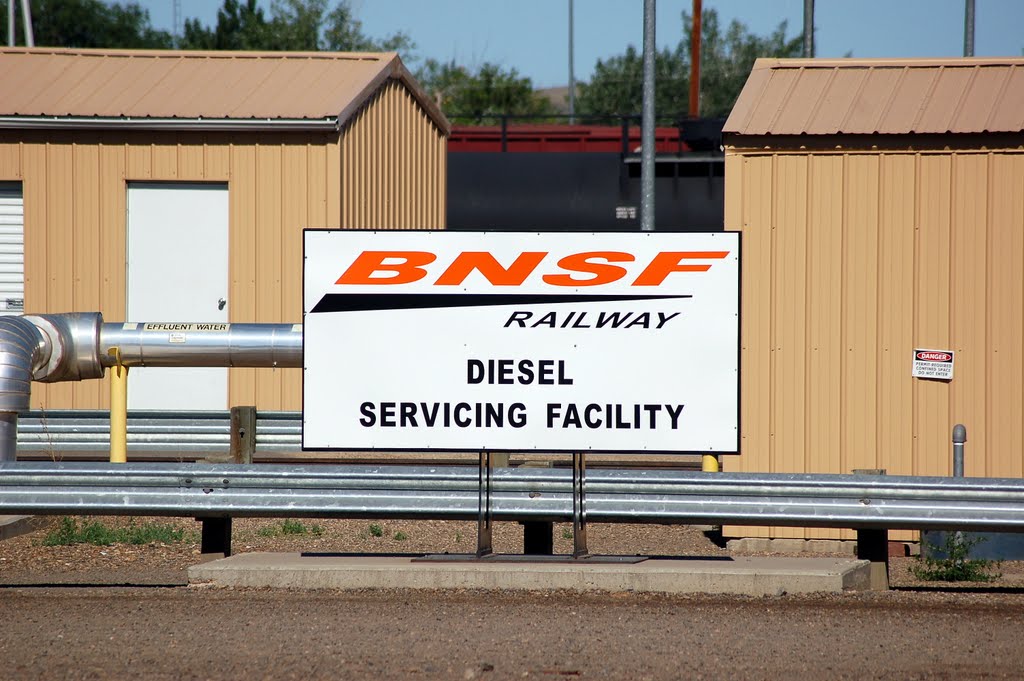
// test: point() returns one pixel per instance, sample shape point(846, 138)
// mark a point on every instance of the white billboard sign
point(472, 341)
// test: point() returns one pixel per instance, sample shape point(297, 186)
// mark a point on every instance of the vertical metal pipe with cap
point(959, 440)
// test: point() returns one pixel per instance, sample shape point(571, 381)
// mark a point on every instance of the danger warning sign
point(936, 364)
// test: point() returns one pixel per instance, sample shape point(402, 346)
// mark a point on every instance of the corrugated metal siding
point(393, 164)
point(12, 248)
point(851, 260)
point(74, 197)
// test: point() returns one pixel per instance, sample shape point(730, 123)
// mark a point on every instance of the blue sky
point(531, 36)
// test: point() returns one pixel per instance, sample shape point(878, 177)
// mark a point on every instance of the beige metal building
point(140, 174)
point(882, 210)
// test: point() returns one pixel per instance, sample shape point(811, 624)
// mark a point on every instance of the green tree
point(88, 23)
point(481, 97)
point(297, 25)
point(239, 27)
point(726, 60)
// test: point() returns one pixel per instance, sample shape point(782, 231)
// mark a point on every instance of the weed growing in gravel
point(401, 536)
point(566, 533)
point(290, 528)
point(376, 530)
point(957, 566)
point(94, 532)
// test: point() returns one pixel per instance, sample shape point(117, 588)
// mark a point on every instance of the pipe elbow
point(24, 350)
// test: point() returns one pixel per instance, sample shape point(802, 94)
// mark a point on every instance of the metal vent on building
point(12, 248)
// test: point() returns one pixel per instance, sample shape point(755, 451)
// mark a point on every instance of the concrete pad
point(751, 576)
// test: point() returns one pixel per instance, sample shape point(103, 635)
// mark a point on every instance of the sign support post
point(485, 517)
point(579, 505)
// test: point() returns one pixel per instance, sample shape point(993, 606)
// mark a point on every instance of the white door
point(177, 272)
point(12, 249)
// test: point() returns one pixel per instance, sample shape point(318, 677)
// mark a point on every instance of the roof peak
point(198, 54)
point(884, 62)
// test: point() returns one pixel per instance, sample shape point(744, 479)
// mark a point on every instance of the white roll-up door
point(12, 248)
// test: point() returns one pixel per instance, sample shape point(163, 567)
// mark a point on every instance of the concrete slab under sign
point(752, 576)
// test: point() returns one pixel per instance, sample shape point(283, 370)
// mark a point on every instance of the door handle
point(221, 303)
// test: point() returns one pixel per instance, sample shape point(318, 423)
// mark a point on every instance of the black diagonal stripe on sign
point(363, 302)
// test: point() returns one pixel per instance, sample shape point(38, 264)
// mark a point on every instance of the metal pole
point(809, 29)
point(10, 23)
point(969, 28)
point(26, 11)
point(572, 76)
point(647, 124)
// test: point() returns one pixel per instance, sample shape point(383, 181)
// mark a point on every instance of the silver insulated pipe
point(22, 349)
point(76, 346)
point(46, 348)
point(181, 344)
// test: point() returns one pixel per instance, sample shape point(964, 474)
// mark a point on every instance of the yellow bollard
point(118, 409)
point(709, 463)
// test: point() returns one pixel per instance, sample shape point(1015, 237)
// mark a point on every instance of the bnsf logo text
point(593, 268)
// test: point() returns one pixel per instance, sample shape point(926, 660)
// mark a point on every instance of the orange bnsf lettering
point(369, 263)
point(603, 272)
point(485, 264)
point(665, 264)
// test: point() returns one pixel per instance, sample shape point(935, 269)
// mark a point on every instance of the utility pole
point(572, 77)
point(177, 19)
point(809, 29)
point(969, 28)
point(695, 43)
point(647, 124)
point(26, 11)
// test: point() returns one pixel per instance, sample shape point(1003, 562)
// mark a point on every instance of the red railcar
point(561, 138)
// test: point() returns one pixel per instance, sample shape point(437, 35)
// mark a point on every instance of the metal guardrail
point(58, 432)
point(524, 494)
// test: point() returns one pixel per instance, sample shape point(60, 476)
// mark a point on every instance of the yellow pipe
point(118, 410)
point(709, 463)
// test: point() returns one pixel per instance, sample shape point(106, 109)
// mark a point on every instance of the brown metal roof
point(158, 84)
point(880, 96)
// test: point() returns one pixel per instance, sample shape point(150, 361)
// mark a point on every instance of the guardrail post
point(216, 541)
point(873, 546)
point(538, 535)
point(243, 434)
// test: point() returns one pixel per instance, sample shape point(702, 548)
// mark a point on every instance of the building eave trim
point(328, 124)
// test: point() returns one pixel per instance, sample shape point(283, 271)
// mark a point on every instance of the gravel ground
point(24, 560)
point(60, 624)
